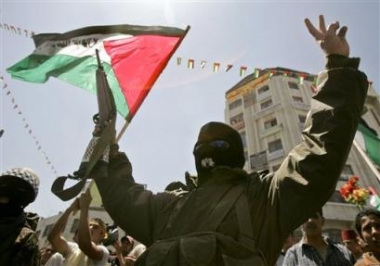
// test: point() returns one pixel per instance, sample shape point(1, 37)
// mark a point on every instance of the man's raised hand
point(331, 40)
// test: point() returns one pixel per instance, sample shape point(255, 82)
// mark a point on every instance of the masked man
point(18, 240)
point(235, 218)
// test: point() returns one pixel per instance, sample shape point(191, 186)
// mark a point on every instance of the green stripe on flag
point(78, 71)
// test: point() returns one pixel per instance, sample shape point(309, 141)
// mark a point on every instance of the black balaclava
point(207, 157)
point(10, 209)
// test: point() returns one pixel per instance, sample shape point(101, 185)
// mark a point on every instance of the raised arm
point(125, 200)
point(58, 242)
point(85, 242)
point(309, 174)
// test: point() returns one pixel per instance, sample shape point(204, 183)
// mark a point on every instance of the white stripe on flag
point(73, 48)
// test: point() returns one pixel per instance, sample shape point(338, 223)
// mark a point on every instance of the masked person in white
point(88, 251)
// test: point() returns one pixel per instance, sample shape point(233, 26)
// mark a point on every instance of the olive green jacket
point(193, 229)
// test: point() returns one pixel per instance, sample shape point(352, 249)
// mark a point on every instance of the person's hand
point(330, 41)
point(85, 199)
point(117, 246)
point(129, 260)
point(74, 207)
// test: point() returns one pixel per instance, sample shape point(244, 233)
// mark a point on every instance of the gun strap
point(58, 185)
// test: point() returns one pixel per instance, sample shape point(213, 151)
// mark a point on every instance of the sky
point(258, 34)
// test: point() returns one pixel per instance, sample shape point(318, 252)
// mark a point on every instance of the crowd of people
point(226, 216)
point(19, 242)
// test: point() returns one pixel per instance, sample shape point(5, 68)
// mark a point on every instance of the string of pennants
point(216, 66)
point(16, 30)
point(243, 70)
point(27, 125)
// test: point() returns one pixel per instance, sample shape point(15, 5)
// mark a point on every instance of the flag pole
point(367, 160)
point(122, 130)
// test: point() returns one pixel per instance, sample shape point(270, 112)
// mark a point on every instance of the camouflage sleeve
point(26, 250)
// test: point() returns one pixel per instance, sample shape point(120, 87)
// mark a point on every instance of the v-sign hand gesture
point(330, 41)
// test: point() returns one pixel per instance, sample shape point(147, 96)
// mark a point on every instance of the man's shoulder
point(137, 250)
point(337, 245)
point(104, 259)
point(27, 235)
point(296, 247)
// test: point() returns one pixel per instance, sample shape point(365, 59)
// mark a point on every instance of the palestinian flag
point(369, 141)
point(132, 56)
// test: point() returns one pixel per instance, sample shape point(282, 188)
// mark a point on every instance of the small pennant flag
point(190, 63)
point(314, 87)
point(215, 67)
point(242, 70)
point(271, 73)
point(228, 67)
point(301, 78)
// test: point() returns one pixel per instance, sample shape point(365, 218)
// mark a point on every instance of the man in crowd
point(290, 241)
point(351, 242)
point(49, 257)
point(18, 240)
point(127, 252)
point(88, 250)
point(316, 249)
point(367, 224)
point(236, 218)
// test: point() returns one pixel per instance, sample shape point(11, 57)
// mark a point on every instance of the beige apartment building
point(269, 109)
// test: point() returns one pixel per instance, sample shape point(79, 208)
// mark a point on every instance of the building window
point(259, 161)
point(270, 123)
point(293, 85)
point(237, 122)
point(74, 226)
point(346, 173)
point(263, 89)
point(274, 146)
point(249, 99)
point(297, 99)
point(47, 230)
point(266, 104)
point(235, 104)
